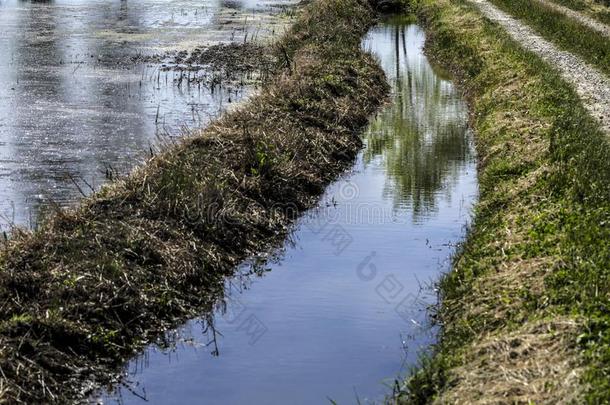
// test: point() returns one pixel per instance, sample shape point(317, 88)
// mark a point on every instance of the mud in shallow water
point(229, 66)
point(341, 313)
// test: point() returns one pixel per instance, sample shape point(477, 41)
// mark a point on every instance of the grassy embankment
point(525, 313)
point(567, 33)
point(93, 285)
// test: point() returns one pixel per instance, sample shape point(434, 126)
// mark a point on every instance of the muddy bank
point(92, 285)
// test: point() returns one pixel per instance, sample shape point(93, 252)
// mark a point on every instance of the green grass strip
point(543, 214)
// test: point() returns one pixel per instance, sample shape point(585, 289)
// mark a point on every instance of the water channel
point(341, 312)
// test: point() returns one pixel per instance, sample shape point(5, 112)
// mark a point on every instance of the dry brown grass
point(536, 363)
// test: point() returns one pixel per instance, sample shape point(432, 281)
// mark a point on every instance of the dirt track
point(583, 19)
point(592, 86)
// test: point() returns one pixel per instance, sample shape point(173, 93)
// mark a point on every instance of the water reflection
point(420, 137)
point(342, 311)
point(75, 98)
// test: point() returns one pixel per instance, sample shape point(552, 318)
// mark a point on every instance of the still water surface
point(77, 97)
point(341, 312)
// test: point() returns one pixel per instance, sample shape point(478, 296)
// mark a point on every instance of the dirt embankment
point(93, 285)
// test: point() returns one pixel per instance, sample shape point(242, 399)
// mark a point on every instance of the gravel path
point(581, 18)
point(592, 86)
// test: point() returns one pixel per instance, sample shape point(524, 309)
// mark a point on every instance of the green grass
point(544, 209)
point(560, 29)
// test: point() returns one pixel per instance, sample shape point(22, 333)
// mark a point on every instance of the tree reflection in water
point(421, 137)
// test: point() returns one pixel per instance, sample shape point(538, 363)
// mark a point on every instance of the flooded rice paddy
point(84, 93)
point(341, 311)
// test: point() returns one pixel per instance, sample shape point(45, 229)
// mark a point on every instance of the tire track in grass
point(592, 86)
point(581, 18)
